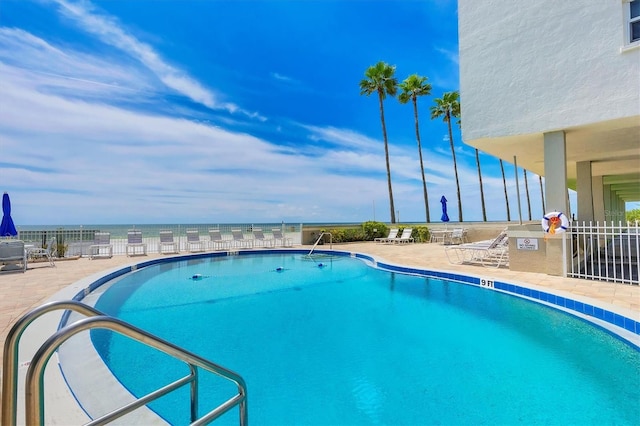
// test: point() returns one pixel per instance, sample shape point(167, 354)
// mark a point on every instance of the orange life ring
point(555, 223)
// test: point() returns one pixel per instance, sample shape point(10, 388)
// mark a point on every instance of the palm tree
point(506, 196)
point(484, 210)
point(380, 79)
point(526, 186)
point(542, 195)
point(412, 87)
point(446, 107)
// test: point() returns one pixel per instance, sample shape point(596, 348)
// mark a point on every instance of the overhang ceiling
point(612, 147)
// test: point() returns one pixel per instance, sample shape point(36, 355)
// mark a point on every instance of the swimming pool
point(375, 347)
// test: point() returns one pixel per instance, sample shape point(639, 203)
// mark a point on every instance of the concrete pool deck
point(21, 292)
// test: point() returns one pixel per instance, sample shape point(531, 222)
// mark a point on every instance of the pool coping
point(59, 397)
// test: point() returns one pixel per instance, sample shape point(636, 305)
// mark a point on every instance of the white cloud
point(109, 30)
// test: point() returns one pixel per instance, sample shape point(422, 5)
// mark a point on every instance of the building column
point(556, 195)
point(555, 172)
point(585, 192)
point(598, 198)
point(606, 192)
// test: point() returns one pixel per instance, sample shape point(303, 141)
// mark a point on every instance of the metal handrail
point(318, 240)
point(34, 403)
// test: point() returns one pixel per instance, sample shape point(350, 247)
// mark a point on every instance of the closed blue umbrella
point(445, 217)
point(7, 228)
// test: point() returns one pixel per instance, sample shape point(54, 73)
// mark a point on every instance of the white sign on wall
point(527, 243)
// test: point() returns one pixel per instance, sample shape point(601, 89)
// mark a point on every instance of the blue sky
point(166, 111)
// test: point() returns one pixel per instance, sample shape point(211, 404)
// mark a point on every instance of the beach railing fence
point(75, 241)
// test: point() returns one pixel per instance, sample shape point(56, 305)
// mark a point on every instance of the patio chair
point(259, 238)
point(44, 252)
point(239, 241)
point(167, 245)
point(393, 234)
point(134, 242)
point(216, 241)
point(458, 236)
point(278, 236)
point(194, 244)
point(101, 246)
point(13, 252)
point(405, 238)
point(487, 253)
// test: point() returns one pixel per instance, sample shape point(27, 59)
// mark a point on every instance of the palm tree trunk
point(424, 181)
point(542, 195)
point(455, 167)
point(484, 210)
point(526, 188)
point(506, 196)
point(386, 156)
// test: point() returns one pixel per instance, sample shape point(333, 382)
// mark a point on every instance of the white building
point(557, 85)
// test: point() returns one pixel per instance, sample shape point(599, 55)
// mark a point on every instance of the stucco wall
point(537, 66)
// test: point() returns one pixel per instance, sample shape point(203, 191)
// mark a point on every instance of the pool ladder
point(34, 386)
point(318, 240)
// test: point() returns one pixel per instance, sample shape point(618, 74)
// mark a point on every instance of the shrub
point(372, 230)
point(633, 215)
point(347, 235)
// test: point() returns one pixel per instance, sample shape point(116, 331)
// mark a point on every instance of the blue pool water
point(348, 344)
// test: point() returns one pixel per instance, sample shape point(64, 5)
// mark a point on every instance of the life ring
point(555, 223)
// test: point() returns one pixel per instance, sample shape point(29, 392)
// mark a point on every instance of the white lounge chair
point(194, 244)
point(393, 234)
point(487, 253)
point(135, 246)
point(405, 238)
point(278, 236)
point(167, 245)
point(259, 238)
point(44, 252)
point(239, 241)
point(102, 246)
point(216, 242)
point(13, 252)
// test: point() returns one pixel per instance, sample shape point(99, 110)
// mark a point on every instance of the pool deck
point(21, 292)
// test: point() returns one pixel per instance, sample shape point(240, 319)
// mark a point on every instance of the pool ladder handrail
point(322, 234)
point(34, 401)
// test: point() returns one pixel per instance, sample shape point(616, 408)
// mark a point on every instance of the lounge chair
point(134, 242)
point(487, 253)
point(239, 241)
point(405, 238)
point(44, 252)
point(393, 234)
point(194, 244)
point(101, 246)
point(278, 236)
point(216, 241)
point(167, 245)
point(13, 252)
point(259, 238)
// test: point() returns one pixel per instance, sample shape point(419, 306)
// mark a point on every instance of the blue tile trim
point(570, 304)
point(563, 302)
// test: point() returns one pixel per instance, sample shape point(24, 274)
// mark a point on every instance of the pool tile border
point(549, 299)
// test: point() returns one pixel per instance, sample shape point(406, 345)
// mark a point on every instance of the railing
point(76, 241)
point(318, 241)
point(34, 403)
point(605, 251)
